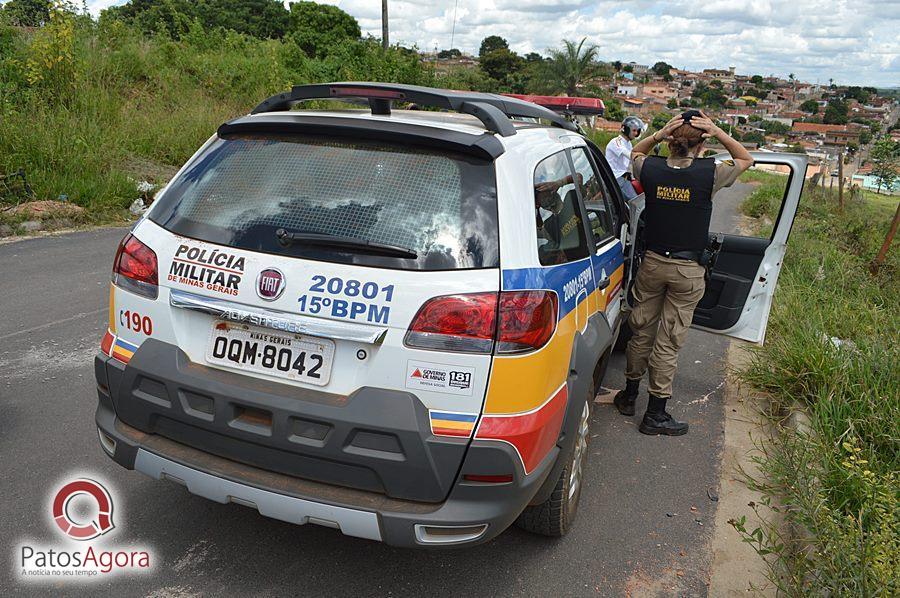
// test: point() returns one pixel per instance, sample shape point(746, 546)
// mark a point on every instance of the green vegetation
point(810, 106)
point(90, 108)
point(765, 200)
point(661, 68)
point(886, 163)
point(836, 113)
point(258, 18)
point(572, 65)
point(832, 349)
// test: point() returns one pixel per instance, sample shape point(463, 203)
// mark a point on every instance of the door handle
point(603, 284)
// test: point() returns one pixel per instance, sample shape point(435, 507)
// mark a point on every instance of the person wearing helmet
point(618, 154)
point(671, 280)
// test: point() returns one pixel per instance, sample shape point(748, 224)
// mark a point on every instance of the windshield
point(243, 189)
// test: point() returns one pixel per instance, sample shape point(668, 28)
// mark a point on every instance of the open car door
point(740, 288)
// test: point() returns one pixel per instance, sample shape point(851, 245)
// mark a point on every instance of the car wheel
point(554, 516)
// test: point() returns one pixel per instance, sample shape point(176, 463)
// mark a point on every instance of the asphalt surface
point(644, 524)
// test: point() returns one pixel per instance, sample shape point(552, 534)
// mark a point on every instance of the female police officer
point(678, 191)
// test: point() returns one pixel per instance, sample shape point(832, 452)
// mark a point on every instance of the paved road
point(53, 296)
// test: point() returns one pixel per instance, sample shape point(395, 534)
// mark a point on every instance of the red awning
point(574, 105)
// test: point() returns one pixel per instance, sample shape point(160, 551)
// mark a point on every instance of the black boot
point(658, 421)
point(624, 400)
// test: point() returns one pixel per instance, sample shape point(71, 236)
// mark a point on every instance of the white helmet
point(633, 125)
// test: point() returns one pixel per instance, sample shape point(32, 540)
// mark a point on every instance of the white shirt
point(618, 154)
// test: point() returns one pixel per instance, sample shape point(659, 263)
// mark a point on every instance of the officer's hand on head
point(674, 123)
point(705, 124)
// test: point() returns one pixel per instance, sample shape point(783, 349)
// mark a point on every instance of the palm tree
point(571, 65)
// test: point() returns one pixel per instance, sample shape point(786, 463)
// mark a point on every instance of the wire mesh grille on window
point(387, 195)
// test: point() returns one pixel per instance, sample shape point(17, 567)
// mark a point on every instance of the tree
point(613, 110)
point(661, 68)
point(501, 64)
point(810, 106)
point(257, 18)
point(571, 65)
point(861, 94)
point(754, 137)
point(659, 120)
point(835, 113)
point(672, 104)
point(710, 96)
point(451, 53)
point(173, 17)
point(756, 80)
point(885, 163)
point(26, 13)
point(533, 57)
point(492, 43)
point(319, 28)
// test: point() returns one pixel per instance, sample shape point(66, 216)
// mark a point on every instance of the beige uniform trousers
point(665, 294)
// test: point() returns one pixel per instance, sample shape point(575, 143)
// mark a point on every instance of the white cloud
point(851, 42)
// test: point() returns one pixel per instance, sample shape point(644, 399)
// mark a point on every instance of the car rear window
point(243, 189)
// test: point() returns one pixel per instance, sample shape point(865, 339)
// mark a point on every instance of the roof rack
point(494, 111)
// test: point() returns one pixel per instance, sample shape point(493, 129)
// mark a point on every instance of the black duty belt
point(693, 256)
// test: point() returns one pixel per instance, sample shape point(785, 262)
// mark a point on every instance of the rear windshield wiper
point(287, 238)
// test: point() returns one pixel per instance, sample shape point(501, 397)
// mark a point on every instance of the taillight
point(467, 322)
point(455, 323)
point(107, 342)
point(527, 320)
point(135, 268)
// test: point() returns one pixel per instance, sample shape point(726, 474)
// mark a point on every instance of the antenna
point(453, 30)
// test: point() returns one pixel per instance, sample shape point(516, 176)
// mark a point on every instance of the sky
point(854, 43)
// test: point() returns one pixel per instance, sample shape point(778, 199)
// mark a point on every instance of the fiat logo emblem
point(270, 284)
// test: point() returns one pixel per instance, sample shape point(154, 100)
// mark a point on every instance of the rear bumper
point(482, 510)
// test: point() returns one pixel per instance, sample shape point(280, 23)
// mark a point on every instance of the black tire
point(554, 517)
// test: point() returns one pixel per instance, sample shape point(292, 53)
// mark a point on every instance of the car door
point(605, 223)
point(742, 282)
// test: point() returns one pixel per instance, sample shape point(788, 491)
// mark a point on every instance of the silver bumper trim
point(297, 324)
point(362, 524)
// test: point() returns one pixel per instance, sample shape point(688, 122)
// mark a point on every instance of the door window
point(602, 217)
point(561, 234)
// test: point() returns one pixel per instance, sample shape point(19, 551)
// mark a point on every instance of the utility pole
point(841, 181)
point(384, 25)
point(879, 259)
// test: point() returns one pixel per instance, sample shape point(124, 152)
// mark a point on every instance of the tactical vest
point(678, 204)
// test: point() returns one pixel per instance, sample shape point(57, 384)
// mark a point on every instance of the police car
point(389, 322)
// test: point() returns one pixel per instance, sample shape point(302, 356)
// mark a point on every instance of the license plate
point(285, 355)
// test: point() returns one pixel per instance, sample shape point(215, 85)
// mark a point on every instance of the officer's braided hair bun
point(684, 139)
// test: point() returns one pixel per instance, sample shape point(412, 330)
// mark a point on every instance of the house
point(638, 69)
point(601, 124)
point(834, 135)
point(779, 119)
point(658, 89)
point(627, 89)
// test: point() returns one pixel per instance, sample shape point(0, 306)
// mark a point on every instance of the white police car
point(387, 322)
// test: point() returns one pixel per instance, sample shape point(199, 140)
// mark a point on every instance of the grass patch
point(832, 347)
point(90, 109)
point(765, 199)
